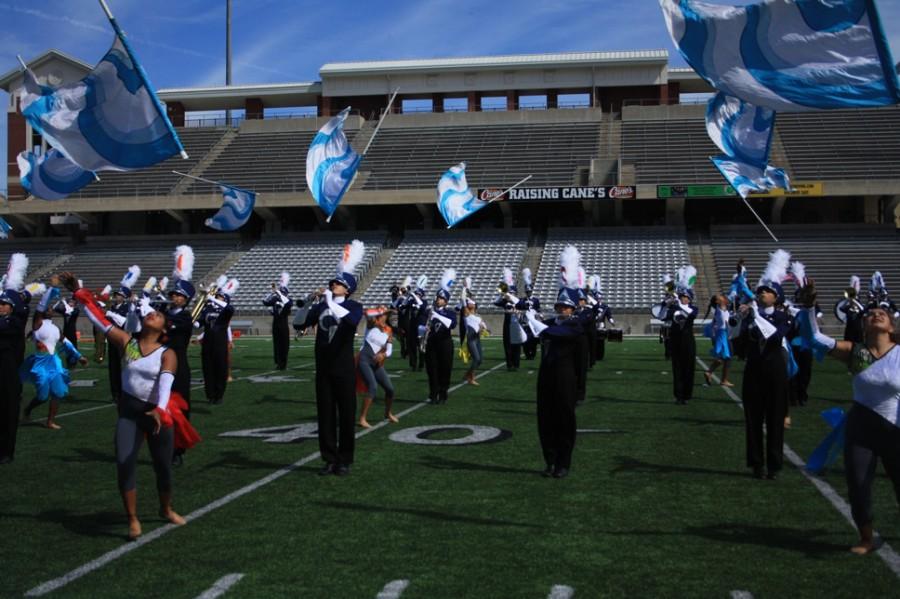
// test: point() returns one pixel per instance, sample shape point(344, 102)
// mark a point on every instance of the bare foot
point(171, 516)
point(708, 376)
point(134, 529)
point(391, 417)
point(364, 423)
point(787, 422)
point(472, 381)
point(52, 426)
point(727, 384)
point(863, 547)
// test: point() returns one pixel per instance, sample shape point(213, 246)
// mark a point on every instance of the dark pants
point(800, 382)
point(214, 356)
point(131, 428)
point(869, 437)
point(684, 365)
point(601, 348)
point(582, 363)
point(10, 399)
point(556, 395)
point(591, 333)
point(416, 360)
point(473, 342)
point(529, 348)
point(512, 351)
point(114, 363)
point(439, 365)
point(336, 410)
point(281, 340)
point(765, 391)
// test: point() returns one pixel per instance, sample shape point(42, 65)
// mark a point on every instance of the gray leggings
point(131, 427)
point(868, 437)
point(374, 375)
point(473, 342)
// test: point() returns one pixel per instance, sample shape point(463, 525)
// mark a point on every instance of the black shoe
point(327, 469)
point(177, 460)
point(772, 475)
point(342, 469)
point(560, 472)
point(548, 471)
point(5, 460)
point(757, 472)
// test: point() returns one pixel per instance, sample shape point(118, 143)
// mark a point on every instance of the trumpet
point(502, 289)
point(669, 288)
point(201, 302)
point(850, 293)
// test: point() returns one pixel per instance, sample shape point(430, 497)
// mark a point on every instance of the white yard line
point(561, 591)
point(741, 595)
point(106, 558)
point(393, 589)
point(885, 552)
point(221, 586)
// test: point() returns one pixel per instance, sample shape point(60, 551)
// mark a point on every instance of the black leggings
point(131, 427)
point(868, 437)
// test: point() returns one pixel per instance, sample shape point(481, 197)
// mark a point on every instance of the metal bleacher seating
point(310, 258)
point(830, 253)
point(629, 262)
point(673, 151)
point(157, 180)
point(496, 155)
point(479, 254)
point(842, 144)
point(104, 261)
point(40, 253)
point(273, 162)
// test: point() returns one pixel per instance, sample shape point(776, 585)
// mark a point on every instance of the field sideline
point(658, 503)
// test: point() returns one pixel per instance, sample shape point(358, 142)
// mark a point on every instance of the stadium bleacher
point(831, 255)
point(40, 253)
point(309, 258)
point(480, 254)
point(629, 262)
point(669, 151)
point(496, 155)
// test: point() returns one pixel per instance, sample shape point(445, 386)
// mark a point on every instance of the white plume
point(106, 291)
point(877, 282)
point(163, 283)
point(184, 263)
point(15, 272)
point(854, 282)
point(666, 278)
point(508, 277)
point(448, 278)
point(131, 277)
point(686, 276)
point(594, 282)
point(221, 281)
point(582, 277)
point(407, 282)
point(798, 271)
point(526, 275)
point(285, 279)
point(569, 261)
point(776, 269)
point(467, 282)
point(231, 287)
point(150, 284)
point(422, 282)
point(352, 256)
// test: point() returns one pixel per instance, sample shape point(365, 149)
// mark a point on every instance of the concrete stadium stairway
point(701, 255)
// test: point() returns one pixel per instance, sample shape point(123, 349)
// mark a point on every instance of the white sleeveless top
point(878, 387)
point(377, 339)
point(140, 374)
point(474, 322)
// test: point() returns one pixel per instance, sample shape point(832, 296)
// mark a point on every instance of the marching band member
point(336, 319)
point(474, 328)
point(513, 335)
point(682, 345)
point(376, 348)
point(583, 353)
point(13, 317)
point(440, 322)
point(603, 315)
point(416, 309)
point(279, 302)
point(717, 331)
point(530, 302)
point(180, 326)
point(401, 307)
point(873, 423)
point(68, 309)
point(589, 314)
point(117, 314)
point(765, 380)
point(878, 294)
point(99, 340)
point(148, 407)
point(659, 311)
point(802, 355)
point(557, 375)
point(849, 311)
point(215, 319)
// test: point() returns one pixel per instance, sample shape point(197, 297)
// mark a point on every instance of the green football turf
point(659, 503)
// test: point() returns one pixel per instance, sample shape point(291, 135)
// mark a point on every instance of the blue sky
point(182, 43)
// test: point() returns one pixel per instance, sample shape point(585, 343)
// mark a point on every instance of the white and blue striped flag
point(779, 55)
point(110, 120)
point(331, 164)
point(51, 176)
point(5, 228)
point(454, 198)
point(237, 206)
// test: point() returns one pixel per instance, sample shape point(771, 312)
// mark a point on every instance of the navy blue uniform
point(439, 355)
point(683, 348)
point(215, 320)
point(12, 348)
point(280, 306)
point(529, 348)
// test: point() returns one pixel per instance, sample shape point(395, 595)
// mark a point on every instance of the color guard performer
point(682, 345)
point(377, 347)
point(279, 302)
point(557, 375)
point(215, 318)
point(475, 327)
point(440, 322)
point(718, 333)
point(336, 318)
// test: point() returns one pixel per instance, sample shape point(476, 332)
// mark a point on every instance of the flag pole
point(381, 120)
point(497, 198)
point(199, 178)
point(749, 207)
point(144, 79)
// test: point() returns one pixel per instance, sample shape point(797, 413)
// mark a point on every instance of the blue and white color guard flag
point(331, 164)
point(779, 55)
point(5, 228)
point(454, 198)
point(110, 120)
point(51, 176)
point(237, 206)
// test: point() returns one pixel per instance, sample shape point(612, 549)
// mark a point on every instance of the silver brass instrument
point(201, 302)
point(848, 307)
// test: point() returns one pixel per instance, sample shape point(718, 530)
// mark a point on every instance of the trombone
point(201, 302)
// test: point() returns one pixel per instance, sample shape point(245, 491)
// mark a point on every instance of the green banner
point(695, 191)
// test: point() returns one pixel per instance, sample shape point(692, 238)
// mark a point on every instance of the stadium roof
point(500, 62)
point(273, 95)
point(50, 55)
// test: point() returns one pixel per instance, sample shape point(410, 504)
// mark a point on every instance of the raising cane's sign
point(551, 194)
